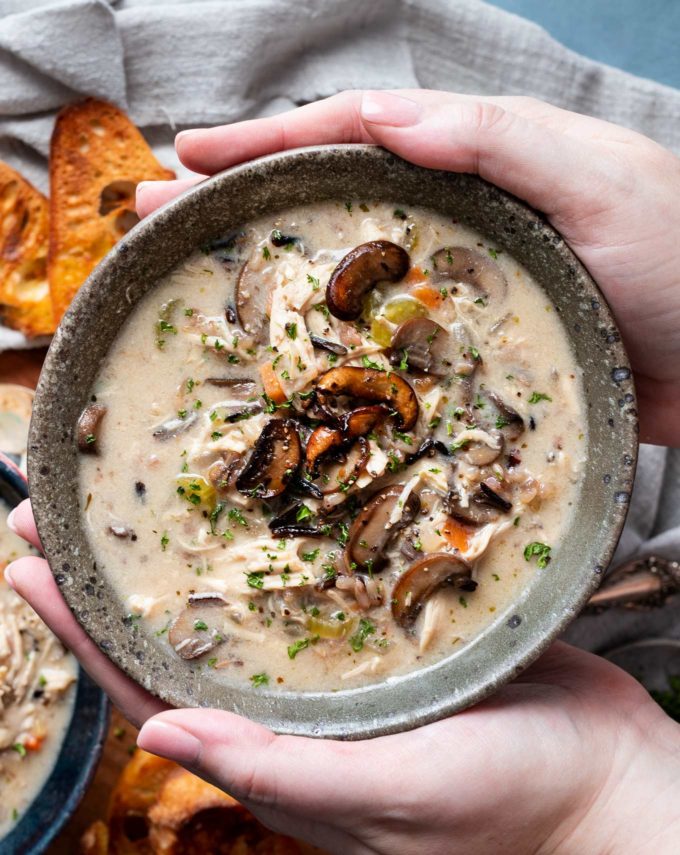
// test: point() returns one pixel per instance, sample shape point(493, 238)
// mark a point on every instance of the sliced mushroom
point(360, 271)
point(471, 267)
point(372, 385)
point(371, 531)
point(174, 427)
point(241, 386)
point(482, 454)
point(343, 476)
point(484, 506)
point(428, 448)
point(88, 427)
point(422, 579)
point(466, 359)
point(251, 302)
point(197, 628)
point(122, 531)
point(288, 525)
point(223, 473)
point(509, 421)
point(323, 441)
point(331, 346)
point(273, 462)
point(426, 344)
point(363, 420)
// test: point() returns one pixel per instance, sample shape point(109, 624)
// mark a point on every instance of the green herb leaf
point(365, 629)
point(540, 550)
point(260, 679)
point(539, 396)
point(300, 644)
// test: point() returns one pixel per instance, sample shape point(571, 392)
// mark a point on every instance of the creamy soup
point(332, 447)
point(36, 693)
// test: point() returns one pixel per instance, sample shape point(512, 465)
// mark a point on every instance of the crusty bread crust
point(25, 303)
point(97, 158)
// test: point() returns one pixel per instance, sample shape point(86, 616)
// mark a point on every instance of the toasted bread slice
point(25, 303)
point(97, 158)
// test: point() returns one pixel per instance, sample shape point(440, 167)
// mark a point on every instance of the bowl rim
point(22, 837)
point(429, 709)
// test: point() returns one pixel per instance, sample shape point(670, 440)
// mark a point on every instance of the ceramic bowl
point(82, 746)
point(217, 206)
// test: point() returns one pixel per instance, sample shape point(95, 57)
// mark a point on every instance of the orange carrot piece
point(415, 276)
point(456, 534)
point(272, 386)
point(427, 295)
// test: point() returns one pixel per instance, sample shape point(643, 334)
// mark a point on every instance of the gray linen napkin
point(178, 64)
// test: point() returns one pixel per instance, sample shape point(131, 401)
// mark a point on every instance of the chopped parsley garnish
point(19, 748)
point(265, 253)
point(200, 626)
point(365, 629)
point(399, 214)
point(368, 363)
point(291, 330)
point(501, 423)
point(539, 396)
point(164, 326)
point(539, 550)
point(219, 507)
point(235, 515)
point(90, 438)
point(313, 281)
point(303, 513)
point(256, 579)
point(300, 644)
point(311, 556)
point(260, 679)
point(348, 206)
point(165, 540)
point(463, 602)
point(494, 252)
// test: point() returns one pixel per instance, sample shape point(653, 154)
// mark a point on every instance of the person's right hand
point(612, 193)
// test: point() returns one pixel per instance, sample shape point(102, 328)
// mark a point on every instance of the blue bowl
point(82, 747)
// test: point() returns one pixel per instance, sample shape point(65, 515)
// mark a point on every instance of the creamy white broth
point(37, 688)
point(161, 426)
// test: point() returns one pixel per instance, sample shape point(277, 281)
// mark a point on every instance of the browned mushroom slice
point(371, 532)
point(88, 428)
point(421, 580)
point(509, 421)
point(426, 344)
point(484, 506)
point(175, 426)
point(273, 462)
point(363, 420)
point(467, 265)
point(251, 298)
point(372, 385)
point(197, 629)
point(341, 477)
point(331, 346)
point(359, 271)
point(323, 441)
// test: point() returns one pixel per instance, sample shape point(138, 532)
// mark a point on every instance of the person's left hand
point(569, 758)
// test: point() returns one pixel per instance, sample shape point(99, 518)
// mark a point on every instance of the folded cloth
point(178, 64)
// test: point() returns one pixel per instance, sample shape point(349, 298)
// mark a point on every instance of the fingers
point(290, 774)
point(333, 120)
point(32, 579)
point(535, 151)
point(153, 194)
point(21, 522)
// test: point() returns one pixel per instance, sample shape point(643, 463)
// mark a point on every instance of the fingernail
point(8, 576)
point(141, 187)
point(384, 108)
point(169, 741)
point(184, 134)
point(10, 520)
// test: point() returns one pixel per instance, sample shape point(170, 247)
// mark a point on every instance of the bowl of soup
point(333, 441)
point(54, 717)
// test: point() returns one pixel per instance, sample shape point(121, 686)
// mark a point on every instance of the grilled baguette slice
point(97, 158)
point(25, 303)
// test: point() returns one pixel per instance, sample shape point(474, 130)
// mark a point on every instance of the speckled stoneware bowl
point(81, 749)
point(209, 210)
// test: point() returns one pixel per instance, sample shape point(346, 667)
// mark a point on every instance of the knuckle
point(483, 117)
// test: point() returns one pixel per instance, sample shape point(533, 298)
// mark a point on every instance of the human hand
point(611, 192)
point(572, 757)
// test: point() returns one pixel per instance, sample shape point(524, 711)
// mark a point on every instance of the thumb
point(291, 774)
point(553, 171)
